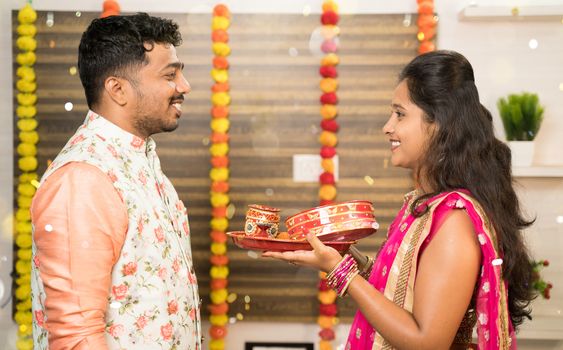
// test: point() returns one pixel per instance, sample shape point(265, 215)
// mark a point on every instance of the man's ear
point(116, 89)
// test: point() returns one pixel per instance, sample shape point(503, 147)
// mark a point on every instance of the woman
point(454, 256)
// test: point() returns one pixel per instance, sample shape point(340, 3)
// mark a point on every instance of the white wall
point(503, 63)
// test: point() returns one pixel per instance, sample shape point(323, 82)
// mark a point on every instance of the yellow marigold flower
point(26, 43)
point(330, 60)
point(24, 254)
point(327, 297)
point(27, 124)
point(25, 278)
point(24, 202)
point(26, 111)
point(23, 214)
point(24, 344)
point(327, 192)
point(328, 165)
point(218, 271)
point(220, 99)
point(29, 137)
point(26, 99)
point(27, 14)
point(27, 163)
point(219, 149)
point(23, 292)
point(25, 330)
point(329, 111)
point(220, 125)
point(219, 200)
point(23, 267)
point(325, 345)
point(218, 296)
point(328, 84)
point(220, 75)
point(218, 248)
point(330, 6)
point(219, 174)
point(26, 73)
point(221, 49)
point(24, 240)
point(26, 58)
point(325, 321)
point(219, 224)
point(26, 86)
point(328, 138)
point(28, 177)
point(23, 305)
point(23, 228)
point(26, 149)
point(218, 320)
point(26, 189)
point(216, 344)
point(27, 29)
point(220, 22)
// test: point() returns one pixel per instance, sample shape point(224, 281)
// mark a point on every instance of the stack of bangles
point(342, 274)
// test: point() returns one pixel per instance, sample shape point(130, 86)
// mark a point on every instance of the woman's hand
point(322, 257)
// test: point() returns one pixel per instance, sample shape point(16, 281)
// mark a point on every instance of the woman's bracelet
point(366, 270)
point(342, 274)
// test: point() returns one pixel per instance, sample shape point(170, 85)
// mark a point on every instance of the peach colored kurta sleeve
point(80, 224)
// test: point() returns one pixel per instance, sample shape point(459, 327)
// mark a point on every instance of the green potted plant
point(521, 116)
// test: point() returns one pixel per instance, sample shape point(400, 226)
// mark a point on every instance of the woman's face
point(407, 130)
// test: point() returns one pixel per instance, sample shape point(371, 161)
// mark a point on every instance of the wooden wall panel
point(274, 115)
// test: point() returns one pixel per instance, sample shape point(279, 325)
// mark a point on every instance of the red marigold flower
point(220, 62)
point(329, 125)
point(328, 309)
point(328, 71)
point(328, 152)
point(326, 178)
point(326, 334)
point(323, 285)
point(329, 18)
point(329, 98)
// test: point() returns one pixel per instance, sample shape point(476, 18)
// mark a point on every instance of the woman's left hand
point(322, 257)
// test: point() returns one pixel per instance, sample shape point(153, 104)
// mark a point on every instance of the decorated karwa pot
point(262, 221)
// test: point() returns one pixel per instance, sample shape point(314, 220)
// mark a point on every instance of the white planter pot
point(522, 153)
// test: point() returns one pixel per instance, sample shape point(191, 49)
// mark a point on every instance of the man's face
point(159, 89)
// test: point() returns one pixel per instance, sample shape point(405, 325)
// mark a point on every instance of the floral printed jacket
point(153, 301)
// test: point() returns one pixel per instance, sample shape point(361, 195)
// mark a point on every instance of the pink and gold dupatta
point(394, 272)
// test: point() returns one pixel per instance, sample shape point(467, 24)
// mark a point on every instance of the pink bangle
point(342, 274)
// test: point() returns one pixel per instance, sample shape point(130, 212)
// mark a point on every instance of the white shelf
point(511, 13)
point(538, 171)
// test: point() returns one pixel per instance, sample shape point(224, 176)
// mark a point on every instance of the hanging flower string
point(27, 163)
point(219, 175)
point(426, 26)
point(328, 140)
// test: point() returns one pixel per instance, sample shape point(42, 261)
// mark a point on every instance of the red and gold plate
point(346, 221)
point(241, 240)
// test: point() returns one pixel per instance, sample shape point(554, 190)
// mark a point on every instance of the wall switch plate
point(307, 167)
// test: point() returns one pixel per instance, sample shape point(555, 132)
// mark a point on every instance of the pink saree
point(394, 271)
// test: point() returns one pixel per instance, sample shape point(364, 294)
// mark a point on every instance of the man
point(112, 259)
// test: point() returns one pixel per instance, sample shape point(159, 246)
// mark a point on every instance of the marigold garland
point(27, 164)
point(328, 140)
point(426, 26)
point(219, 175)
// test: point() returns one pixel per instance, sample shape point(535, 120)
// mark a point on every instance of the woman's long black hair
point(463, 152)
